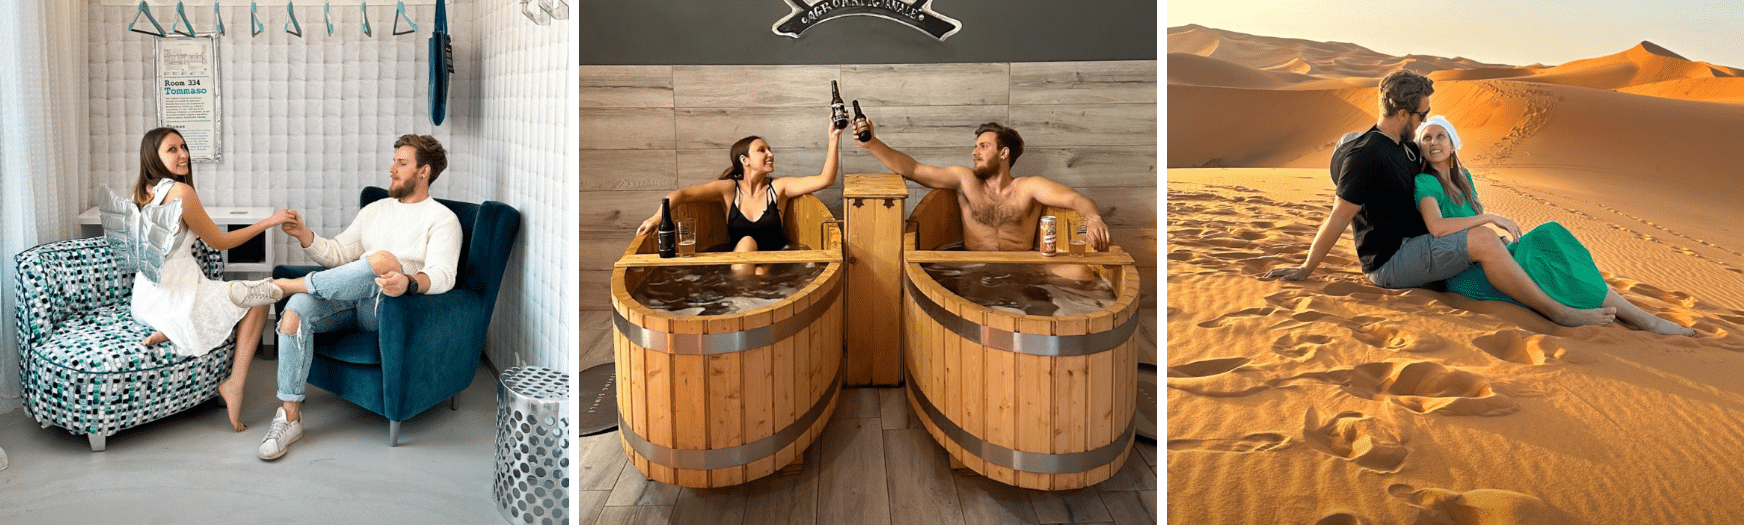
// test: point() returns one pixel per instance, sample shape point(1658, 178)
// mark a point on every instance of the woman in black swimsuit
point(752, 197)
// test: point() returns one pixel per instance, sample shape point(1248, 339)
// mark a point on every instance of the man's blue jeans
point(341, 297)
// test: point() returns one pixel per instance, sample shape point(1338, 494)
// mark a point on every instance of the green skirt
point(1554, 259)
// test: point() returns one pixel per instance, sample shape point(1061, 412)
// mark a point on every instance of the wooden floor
point(874, 464)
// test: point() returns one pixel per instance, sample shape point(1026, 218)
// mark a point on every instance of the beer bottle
point(838, 114)
point(864, 134)
point(667, 235)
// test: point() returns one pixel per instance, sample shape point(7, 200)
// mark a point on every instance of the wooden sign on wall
point(918, 14)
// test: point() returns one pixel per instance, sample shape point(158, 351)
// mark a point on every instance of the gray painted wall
point(682, 32)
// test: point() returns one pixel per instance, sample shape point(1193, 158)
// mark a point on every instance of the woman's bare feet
point(156, 338)
point(231, 391)
point(1592, 317)
point(1665, 327)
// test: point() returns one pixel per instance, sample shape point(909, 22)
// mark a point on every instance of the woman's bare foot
point(1591, 317)
point(156, 338)
point(1665, 327)
point(231, 391)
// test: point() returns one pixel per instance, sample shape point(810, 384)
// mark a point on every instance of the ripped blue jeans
point(341, 297)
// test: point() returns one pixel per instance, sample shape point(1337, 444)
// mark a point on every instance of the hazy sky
point(1499, 32)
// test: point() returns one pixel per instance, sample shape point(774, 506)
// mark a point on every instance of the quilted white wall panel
point(309, 122)
point(512, 96)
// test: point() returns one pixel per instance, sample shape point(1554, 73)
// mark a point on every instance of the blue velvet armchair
point(429, 345)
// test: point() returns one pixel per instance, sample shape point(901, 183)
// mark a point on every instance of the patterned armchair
point(82, 367)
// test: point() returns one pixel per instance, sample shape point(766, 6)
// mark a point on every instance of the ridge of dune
point(1729, 90)
point(1191, 69)
point(1321, 59)
point(1646, 63)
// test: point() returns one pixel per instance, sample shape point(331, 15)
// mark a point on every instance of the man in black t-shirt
point(1373, 174)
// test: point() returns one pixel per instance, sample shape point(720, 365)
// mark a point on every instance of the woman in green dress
point(1550, 254)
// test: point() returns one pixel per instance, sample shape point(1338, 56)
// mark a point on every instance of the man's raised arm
point(902, 164)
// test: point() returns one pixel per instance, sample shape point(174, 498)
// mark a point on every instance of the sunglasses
point(1423, 114)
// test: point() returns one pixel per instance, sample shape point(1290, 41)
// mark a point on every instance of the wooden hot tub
point(1040, 402)
point(719, 400)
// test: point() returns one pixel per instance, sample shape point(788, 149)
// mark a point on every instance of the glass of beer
point(687, 235)
point(1075, 243)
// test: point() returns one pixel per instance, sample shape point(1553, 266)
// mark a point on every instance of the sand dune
point(1723, 89)
point(1205, 71)
point(1644, 64)
point(1323, 59)
point(1332, 401)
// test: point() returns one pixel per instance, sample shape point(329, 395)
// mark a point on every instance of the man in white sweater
point(405, 244)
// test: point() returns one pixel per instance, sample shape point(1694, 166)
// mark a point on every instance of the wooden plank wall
point(646, 130)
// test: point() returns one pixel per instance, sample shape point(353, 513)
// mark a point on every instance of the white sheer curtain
point(44, 145)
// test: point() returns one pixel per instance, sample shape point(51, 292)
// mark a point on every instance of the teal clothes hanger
point(327, 12)
point(254, 14)
point(366, 10)
point(400, 14)
point(145, 11)
point(220, 17)
point(182, 20)
point(292, 10)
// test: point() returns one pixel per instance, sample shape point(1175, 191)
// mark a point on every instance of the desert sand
point(1333, 401)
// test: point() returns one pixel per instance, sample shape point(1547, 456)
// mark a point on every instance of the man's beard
point(400, 191)
point(984, 171)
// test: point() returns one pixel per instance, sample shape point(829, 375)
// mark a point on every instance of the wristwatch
point(411, 285)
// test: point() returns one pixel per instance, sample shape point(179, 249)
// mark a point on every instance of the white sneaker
point(249, 294)
point(280, 437)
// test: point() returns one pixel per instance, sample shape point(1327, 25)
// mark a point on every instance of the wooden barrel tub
point(1039, 402)
point(719, 400)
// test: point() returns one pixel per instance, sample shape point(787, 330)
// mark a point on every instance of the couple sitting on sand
point(999, 212)
point(1418, 220)
point(405, 244)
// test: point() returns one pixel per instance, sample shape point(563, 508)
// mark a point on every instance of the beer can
point(1049, 247)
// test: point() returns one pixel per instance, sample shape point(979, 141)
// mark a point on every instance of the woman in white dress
point(184, 308)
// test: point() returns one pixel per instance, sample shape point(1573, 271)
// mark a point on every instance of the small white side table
point(227, 218)
point(235, 267)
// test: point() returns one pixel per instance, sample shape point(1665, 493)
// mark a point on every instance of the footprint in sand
point(1257, 442)
point(1396, 340)
point(1300, 347)
point(1218, 377)
point(1426, 387)
point(1527, 348)
point(1236, 316)
point(1342, 517)
point(1352, 436)
point(1654, 292)
point(1476, 507)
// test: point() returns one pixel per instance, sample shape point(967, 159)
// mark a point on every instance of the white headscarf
point(1439, 120)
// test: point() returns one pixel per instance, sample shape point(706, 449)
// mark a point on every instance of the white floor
point(191, 468)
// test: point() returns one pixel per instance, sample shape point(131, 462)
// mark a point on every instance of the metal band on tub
point(1018, 342)
point(727, 343)
point(1038, 462)
point(731, 456)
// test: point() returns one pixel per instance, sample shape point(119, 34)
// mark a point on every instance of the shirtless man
point(999, 211)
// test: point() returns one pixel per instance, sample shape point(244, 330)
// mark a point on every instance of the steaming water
point(1023, 289)
point(714, 290)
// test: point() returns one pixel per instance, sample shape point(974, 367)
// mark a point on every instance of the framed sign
point(917, 14)
point(187, 89)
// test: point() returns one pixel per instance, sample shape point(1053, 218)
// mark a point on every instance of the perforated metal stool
point(533, 446)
